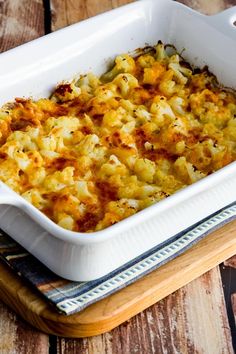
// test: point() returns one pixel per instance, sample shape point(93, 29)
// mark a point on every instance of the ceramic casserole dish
point(35, 68)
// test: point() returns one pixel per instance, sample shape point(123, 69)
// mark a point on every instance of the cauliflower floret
point(59, 179)
point(142, 114)
point(146, 190)
point(22, 160)
point(82, 191)
point(145, 169)
point(152, 75)
point(180, 73)
point(34, 197)
point(123, 64)
point(177, 104)
point(88, 83)
point(9, 174)
point(112, 167)
point(118, 210)
point(4, 116)
point(36, 175)
point(49, 155)
point(66, 221)
point(128, 128)
point(47, 143)
point(117, 118)
point(161, 108)
point(180, 126)
point(10, 147)
point(160, 51)
point(104, 93)
point(168, 86)
point(125, 82)
point(186, 172)
point(23, 139)
point(146, 60)
point(87, 145)
point(112, 118)
point(66, 92)
point(62, 127)
point(33, 133)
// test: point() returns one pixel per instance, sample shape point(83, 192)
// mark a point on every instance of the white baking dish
point(35, 68)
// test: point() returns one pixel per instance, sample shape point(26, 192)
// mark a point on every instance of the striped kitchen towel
point(70, 297)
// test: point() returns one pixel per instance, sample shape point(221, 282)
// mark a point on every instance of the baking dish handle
point(225, 21)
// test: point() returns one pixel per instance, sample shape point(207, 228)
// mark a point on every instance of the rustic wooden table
point(198, 318)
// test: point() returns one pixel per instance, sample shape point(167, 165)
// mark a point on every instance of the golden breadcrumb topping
point(101, 149)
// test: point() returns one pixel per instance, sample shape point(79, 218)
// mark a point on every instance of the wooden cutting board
point(117, 308)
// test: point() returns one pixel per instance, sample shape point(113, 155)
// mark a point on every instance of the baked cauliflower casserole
point(101, 149)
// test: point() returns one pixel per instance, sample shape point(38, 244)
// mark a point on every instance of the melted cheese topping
point(101, 149)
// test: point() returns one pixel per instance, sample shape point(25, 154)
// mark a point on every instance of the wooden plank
point(233, 300)
point(231, 262)
point(66, 12)
point(17, 337)
point(192, 320)
point(20, 22)
point(228, 277)
point(117, 308)
point(209, 7)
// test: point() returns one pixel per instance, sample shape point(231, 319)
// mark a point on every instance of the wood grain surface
point(166, 321)
point(67, 12)
point(18, 337)
point(209, 7)
point(20, 22)
point(233, 300)
point(184, 322)
point(231, 262)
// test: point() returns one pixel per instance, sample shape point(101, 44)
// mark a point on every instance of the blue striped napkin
point(70, 297)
